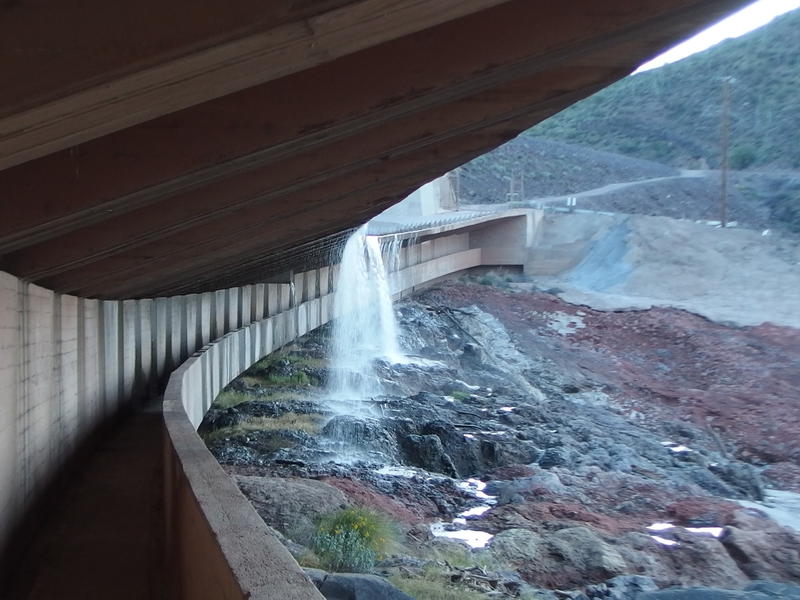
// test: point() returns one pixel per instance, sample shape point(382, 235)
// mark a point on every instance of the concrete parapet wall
point(69, 365)
point(197, 486)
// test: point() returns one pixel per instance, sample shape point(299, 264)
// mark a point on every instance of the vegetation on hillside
point(550, 168)
point(673, 114)
point(351, 539)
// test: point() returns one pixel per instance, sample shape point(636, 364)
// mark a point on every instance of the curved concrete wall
point(68, 365)
point(219, 546)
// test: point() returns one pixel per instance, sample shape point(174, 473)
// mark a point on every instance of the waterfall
point(364, 328)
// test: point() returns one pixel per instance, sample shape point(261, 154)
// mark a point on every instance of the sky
point(750, 17)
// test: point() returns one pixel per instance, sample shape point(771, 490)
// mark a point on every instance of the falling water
point(365, 329)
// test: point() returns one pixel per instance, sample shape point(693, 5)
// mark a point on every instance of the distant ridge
point(672, 114)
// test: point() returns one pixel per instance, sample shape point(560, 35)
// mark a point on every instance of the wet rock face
point(427, 452)
point(565, 559)
point(365, 434)
point(291, 505)
point(556, 422)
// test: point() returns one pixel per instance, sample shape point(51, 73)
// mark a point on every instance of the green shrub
point(461, 395)
point(351, 539)
point(742, 157)
point(345, 551)
point(309, 423)
point(299, 378)
point(434, 585)
point(229, 398)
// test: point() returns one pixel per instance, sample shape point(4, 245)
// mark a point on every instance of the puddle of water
point(473, 538)
point(664, 541)
point(660, 526)
point(713, 531)
point(476, 487)
point(676, 447)
point(397, 471)
point(475, 511)
point(456, 528)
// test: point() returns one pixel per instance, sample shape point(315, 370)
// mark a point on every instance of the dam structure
point(173, 179)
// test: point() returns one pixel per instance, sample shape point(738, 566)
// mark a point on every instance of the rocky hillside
point(646, 126)
point(531, 449)
point(549, 168)
point(672, 114)
point(553, 170)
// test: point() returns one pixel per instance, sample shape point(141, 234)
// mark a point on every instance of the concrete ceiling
point(154, 147)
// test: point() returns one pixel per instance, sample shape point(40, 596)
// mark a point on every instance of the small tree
point(742, 157)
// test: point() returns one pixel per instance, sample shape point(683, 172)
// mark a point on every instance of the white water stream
point(364, 332)
point(365, 328)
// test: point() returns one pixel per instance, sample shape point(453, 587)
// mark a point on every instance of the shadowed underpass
point(104, 537)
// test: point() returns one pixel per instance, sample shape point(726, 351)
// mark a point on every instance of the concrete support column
point(145, 380)
point(128, 342)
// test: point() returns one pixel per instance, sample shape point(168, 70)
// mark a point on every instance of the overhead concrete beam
point(306, 176)
point(203, 196)
point(81, 179)
point(269, 224)
point(214, 71)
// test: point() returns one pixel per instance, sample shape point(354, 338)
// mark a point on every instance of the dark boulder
point(465, 453)
point(554, 457)
point(365, 434)
point(354, 586)
point(622, 587)
point(427, 452)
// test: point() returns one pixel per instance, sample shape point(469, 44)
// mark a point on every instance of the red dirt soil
point(742, 384)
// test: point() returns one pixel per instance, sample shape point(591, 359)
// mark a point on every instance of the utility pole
point(455, 187)
point(724, 162)
point(516, 185)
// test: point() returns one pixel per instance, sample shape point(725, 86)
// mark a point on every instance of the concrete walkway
point(104, 538)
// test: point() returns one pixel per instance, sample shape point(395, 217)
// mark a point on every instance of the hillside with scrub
point(672, 114)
